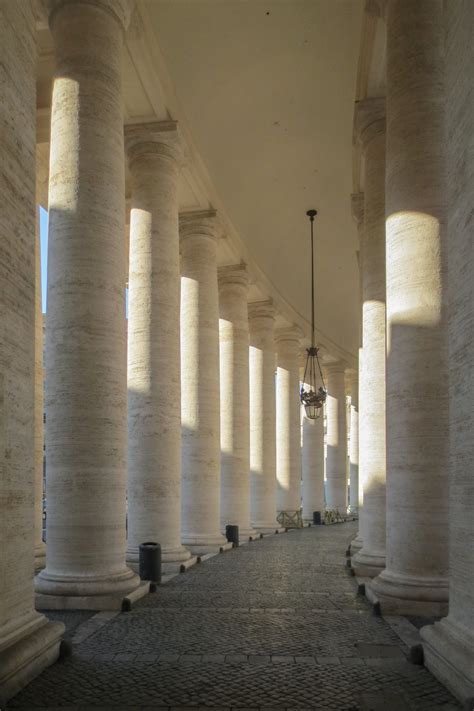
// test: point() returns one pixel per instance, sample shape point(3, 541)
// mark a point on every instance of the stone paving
point(275, 624)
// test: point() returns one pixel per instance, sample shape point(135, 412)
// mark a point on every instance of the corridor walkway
point(275, 624)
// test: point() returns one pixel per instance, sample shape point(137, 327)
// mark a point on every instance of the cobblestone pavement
point(275, 624)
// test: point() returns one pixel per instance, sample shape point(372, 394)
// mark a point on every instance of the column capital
point(121, 10)
point(288, 334)
point(235, 274)
point(261, 309)
point(337, 366)
point(199, 223)
point(357, 208)
point(160, 138)
point(369, 120)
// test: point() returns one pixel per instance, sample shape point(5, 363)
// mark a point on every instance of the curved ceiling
point(268, 92)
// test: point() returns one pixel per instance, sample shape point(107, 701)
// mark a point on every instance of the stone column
point(262, 416)
point(28, 642)
point(200, 383)
point(40, 547)
point(86, 426)
point(449, 644)
point(312, 466)
point(234, 398)
point(415, 580)
point(288, 443)
point(357, 208)
point(154, 414)
point(336, 437)
point(354, 446)
point(370, 126)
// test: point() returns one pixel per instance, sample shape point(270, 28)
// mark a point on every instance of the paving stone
point(282, 660)
point(380, 650)
point(283, 596)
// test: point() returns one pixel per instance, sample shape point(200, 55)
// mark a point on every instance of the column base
point(205, 543)
point(246, 534)
point(356, 545)
point(171, 558)
point(40, 556)
point(28, 656)
point(367, 565)
point(449, 655)
point(268, 527)
point(60, 592)
point(410, 595)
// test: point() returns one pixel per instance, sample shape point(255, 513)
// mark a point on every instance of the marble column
point(40, 547)
point(336, 438)
point(28, 642)
point(200, 438)
point(154, 413)
point(262, 416)
point(312, 466)
point(354, 446)
point(370, 127)
point(415, 580)
point(449, 644)
point(86, 409)
point(288, 443)
point(234, 399)
point(357, 209)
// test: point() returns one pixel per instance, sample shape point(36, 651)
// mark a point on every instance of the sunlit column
point(370, 127)
point(288, 444)
point(312, 466)
point(416, 578)
point(234, 398)
point(449, 645)
point(354, 446)
point(201, 479)
point(357, 208)
point(154, 406)
point(86, 407)
point(28, 642)
point(336, 438)
point(262, 416)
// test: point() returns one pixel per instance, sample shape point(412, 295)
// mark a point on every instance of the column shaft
point(262, 417)
point(288, 448)
point(415, 580)
point(336, 458)
point(200, 383)
point(86, 408)
point(28, 642)
point(234, 399)
point(40, 547)
point(370, 122)
point(449, 644)
point(154, 406)
point(354, 447)
point(312, 467)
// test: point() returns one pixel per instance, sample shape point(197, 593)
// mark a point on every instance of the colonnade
point(416, 365)
point(186, 422)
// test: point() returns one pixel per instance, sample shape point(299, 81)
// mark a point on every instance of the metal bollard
point(150, 562)
point(232, 535)
point(317, 518)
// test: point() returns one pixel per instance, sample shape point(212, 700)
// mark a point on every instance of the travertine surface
point(262, 416)
point(370, 123)
point(154, 414)
point(234, 398)
point(288, 443)
point(28, 643)
point(200, 438)
point(415, 579)
point(354, 446)
point(86, 431)
point(449, 645)
point(336, 438)
point(312, 466)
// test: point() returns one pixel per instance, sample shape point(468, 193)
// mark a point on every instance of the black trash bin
point(232, 534)
point(317, 518)
point(150, 562)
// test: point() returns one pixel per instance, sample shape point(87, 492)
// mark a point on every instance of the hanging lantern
point(312, 395)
